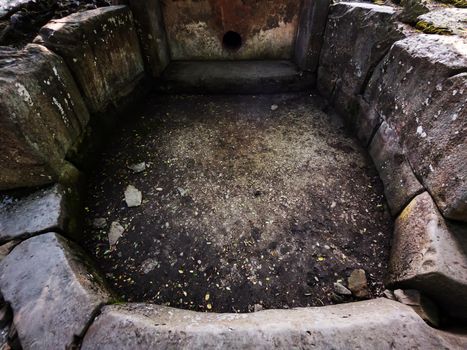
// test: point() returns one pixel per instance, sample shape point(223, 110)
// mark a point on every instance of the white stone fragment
point(116, 231)
point(133, 196)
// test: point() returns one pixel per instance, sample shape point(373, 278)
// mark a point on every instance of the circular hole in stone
point(232, 41)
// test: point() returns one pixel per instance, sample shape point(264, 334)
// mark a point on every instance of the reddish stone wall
point(195, 28)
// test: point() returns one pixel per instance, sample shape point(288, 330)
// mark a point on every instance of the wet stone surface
point(244, 206)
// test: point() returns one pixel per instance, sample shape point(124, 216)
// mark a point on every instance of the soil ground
point(244, 207)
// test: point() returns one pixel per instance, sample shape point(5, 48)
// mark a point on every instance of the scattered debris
point(257, 307)
point(341, 289)
point(182, 192)
point(389, 294)
point(133, 196)
point(99, 223)
point(115, 232)
point(137, 168)
point(358, 284)
point(148, 265)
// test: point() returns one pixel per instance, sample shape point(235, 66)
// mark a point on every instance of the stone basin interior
point(197, 170)
point(251, 205)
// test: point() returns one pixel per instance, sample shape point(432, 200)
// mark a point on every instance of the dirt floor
point(245, 205)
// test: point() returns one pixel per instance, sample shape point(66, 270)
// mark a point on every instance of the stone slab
point(357, 37)
point(42, 115)
point(419, 89)
point(400, 183)
point(375, 324)
point(242, 77)
point(152, 35)
point(310, 32)
point(50, 209)
point(101, 48)
point(430, 254)
point(53, 291)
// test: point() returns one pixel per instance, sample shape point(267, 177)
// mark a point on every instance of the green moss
point(429, 28)
point(456, 3)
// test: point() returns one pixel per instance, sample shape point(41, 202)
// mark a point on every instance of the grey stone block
point(53, 291)
point(48, 209)
point(400, 183)
point(419, 89)
point(429, 254)
point(375, 324)
point(42, 115)
point(357, 37)
point(101, 48)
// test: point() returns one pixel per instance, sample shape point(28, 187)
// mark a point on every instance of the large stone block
point(49, 209)
point(357, 37)
point(310, 33)
point(430, 254)
point(421, 93)
point(375, 324)
point(152, 35)
point(101, 48)
point(42, 115)
point(53, 291)
point(400, 183)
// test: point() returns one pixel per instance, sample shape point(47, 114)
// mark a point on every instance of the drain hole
point(232, 41)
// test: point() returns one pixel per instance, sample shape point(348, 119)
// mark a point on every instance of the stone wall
point(195, 29)
point(404, 94)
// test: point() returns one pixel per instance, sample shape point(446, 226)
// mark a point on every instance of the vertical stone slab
point(53, 291)
point(430, 254)
point(357, 37)
point(42, 115)
point(310, 32)
point(101, 48)
point(152, 35)
point(400, 183)
point(420, 89)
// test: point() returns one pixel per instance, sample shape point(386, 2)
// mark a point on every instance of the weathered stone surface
point(101, 48)
point(46, 210)
point(444, 21)
point(41, 116)
point(420, 91)
point(54, 293)
point(411, 9)
point(380, 323)
point(6, 248)
point(239, 77)
point(400, 183)
point(422, 305)
point(267, 28)
point(366, 121)
point(430, 254)
point(310, 34)
point(357, 37)
point(151, 31)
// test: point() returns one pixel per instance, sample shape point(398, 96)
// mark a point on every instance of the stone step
point(242, 77)
point(373, 324)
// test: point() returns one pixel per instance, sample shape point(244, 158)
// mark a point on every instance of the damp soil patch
point(248, 202)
